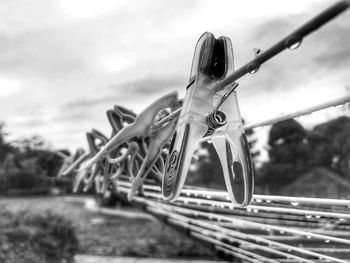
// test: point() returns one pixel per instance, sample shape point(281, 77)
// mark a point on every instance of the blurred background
point(63, 63)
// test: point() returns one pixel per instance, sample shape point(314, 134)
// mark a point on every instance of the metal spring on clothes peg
point(216, 119)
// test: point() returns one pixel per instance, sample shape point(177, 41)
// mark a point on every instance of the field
point(115, 236)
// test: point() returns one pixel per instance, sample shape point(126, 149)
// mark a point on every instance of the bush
point(36, 238)
point(22, 180)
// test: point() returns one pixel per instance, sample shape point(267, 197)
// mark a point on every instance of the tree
point(336, 144)
point(289, 150)
point(30, 146)
point(5, 147)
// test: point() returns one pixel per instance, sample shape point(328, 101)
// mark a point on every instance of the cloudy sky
point(63, 63)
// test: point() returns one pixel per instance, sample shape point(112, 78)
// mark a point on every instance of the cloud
point(142, 88)
point(9, 86)
point(150, 85)
point(324, 52)
point(334, 52)
point(75, 61)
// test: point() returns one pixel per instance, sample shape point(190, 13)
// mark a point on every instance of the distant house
point(320, 183)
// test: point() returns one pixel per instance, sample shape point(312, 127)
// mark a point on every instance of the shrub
point(22, 180)
point(44, 237)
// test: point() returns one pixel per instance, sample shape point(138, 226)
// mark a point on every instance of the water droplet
point(308, 216)
point(249, 209)
point(253, 68)
point(293, 42)
point(318, 216)
point(327, 241)
point(209, 196)
point(255, 210)
point(342, 219)
point(188, 194)
point(295, 45)
point(268, 201)
point(294, 203)
point(258, 200)
point(256, 51)
point(281, 232)
point(308, 237)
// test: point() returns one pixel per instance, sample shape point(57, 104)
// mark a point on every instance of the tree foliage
point(288, 149)
point(5, 147)
point(293, 151)
point(27, 162)
point(336, 134)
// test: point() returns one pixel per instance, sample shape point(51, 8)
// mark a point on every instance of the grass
point(29, 236)
point(116, 236)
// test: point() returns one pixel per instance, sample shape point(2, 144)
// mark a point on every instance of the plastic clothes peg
point(68, 161)
point(88, 176)
point(144, 126)
point(136, 148)
point(201, 118)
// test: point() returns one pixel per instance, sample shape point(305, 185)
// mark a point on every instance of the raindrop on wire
point(253, 68)
point(295, 45)
point(293, 42)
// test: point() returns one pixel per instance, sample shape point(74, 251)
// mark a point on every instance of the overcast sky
point(63, 63)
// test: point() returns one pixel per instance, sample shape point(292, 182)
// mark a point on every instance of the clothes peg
point(136, 148)
point(155, 137)
point(118, 117)
point(211, 112)
point(87, 177)
point(68, 161)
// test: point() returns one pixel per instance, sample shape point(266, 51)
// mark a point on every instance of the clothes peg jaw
point(115, 120)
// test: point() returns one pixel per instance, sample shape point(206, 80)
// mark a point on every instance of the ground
point(117, 236)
